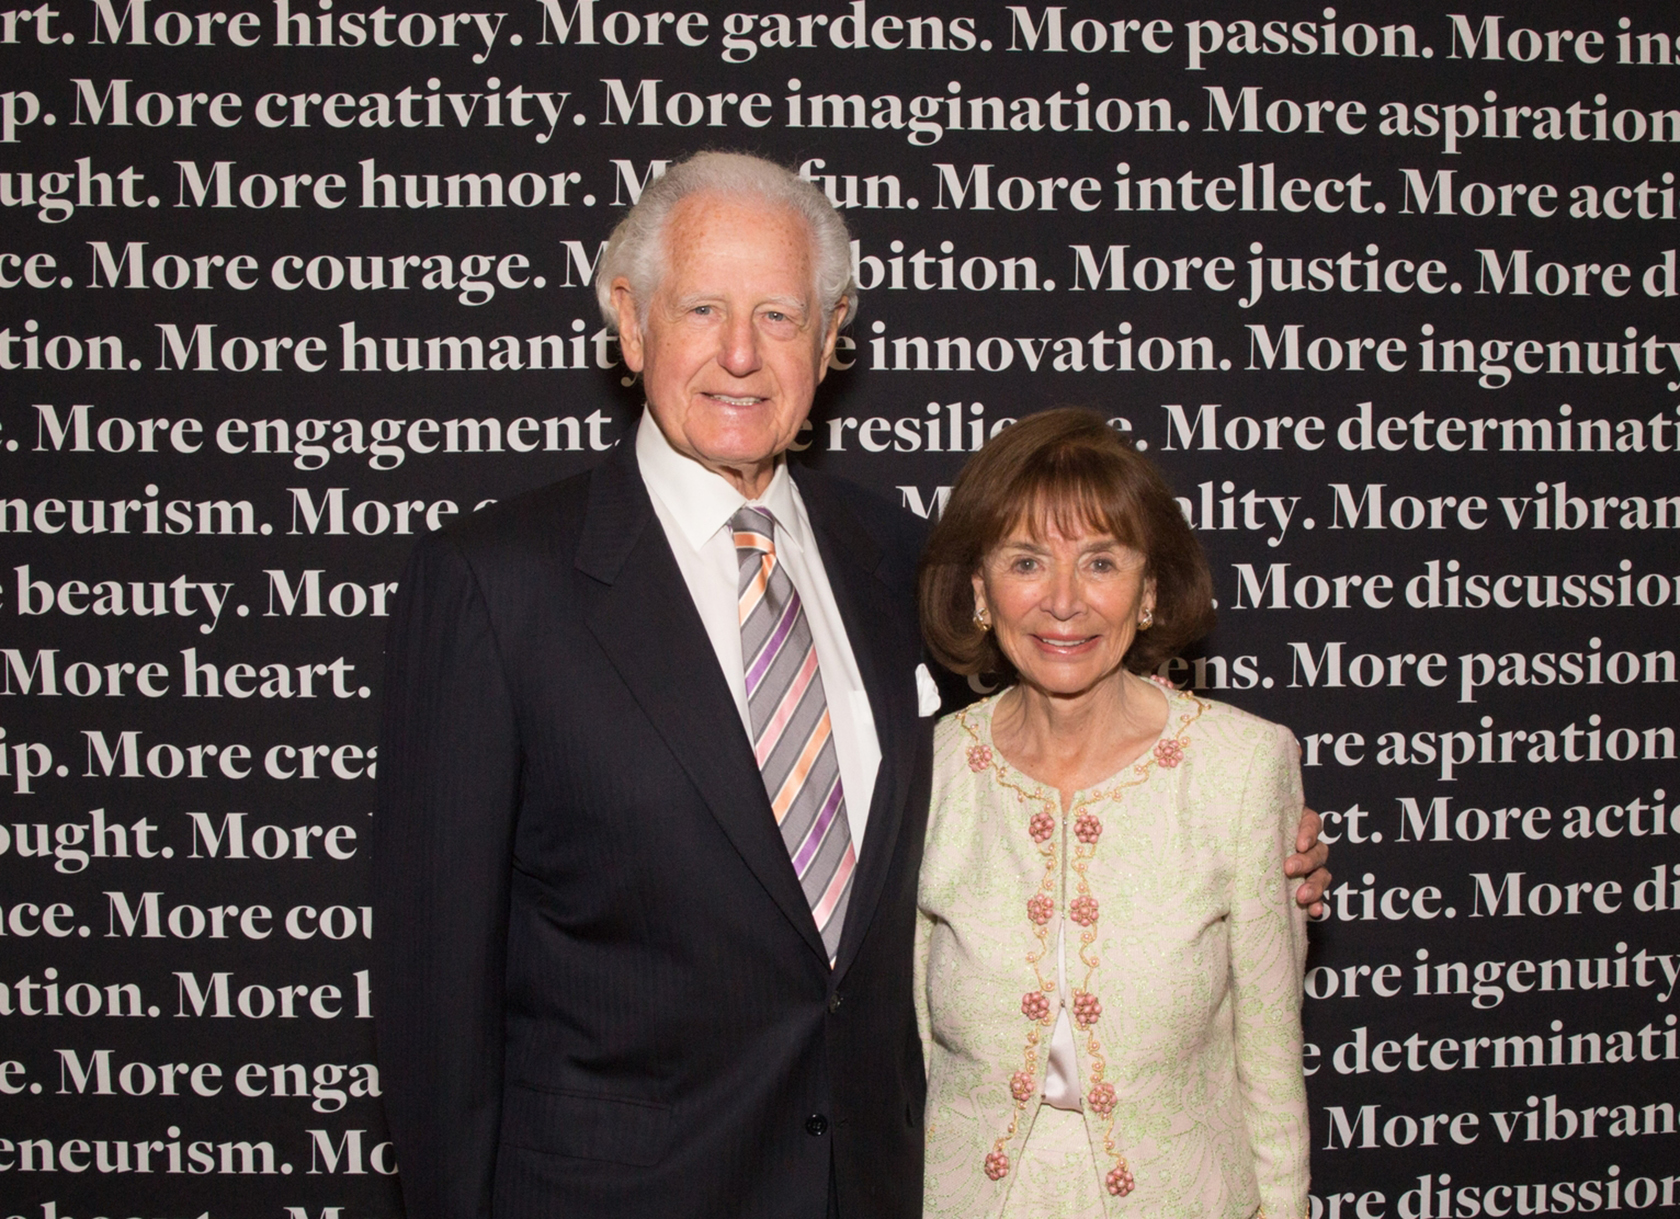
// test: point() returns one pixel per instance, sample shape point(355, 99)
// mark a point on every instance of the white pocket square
point(927, 693)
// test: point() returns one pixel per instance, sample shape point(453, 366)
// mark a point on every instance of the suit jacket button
point(816, 1125)
point(834, 1001)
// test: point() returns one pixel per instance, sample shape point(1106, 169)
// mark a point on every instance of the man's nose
point(739, 354)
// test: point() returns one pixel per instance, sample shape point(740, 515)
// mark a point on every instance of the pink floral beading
point(1087, 1009)
point(1084, 910)
point(1119, 1181)
point(1035, 1005)
point(1022, 1085)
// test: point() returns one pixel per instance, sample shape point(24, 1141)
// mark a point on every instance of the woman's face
point(1064, 608)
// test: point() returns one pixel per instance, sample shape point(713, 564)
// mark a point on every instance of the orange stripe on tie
point(796, 778)
point(755, 593)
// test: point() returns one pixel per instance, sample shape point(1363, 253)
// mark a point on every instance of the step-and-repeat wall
point(1387, 290)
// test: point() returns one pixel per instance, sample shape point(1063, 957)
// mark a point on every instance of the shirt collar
point(702, 501)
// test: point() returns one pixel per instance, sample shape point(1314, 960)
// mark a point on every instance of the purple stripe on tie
point(767, 654)
point(813, 840)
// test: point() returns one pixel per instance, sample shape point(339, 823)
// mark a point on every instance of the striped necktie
point(792, 735)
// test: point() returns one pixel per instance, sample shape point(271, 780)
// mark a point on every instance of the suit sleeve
point(1268, 951)
point(448, 790)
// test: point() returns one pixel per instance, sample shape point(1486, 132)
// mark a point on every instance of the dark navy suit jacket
point(599, 990)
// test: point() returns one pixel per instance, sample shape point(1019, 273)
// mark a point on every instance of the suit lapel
point(869, 610)
point(647, 625)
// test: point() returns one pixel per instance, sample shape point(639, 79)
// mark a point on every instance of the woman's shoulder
point(972, 721)
point(961, 731)
point(1230, 730)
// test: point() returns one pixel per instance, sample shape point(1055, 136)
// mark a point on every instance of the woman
point(1108, 961)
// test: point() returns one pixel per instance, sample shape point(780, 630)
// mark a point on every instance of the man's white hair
point(636, 249)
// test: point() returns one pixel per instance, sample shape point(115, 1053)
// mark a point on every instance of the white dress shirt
point(694, 506)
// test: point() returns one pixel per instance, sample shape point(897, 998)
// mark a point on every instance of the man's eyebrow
point(693, 298)
point(787, 304)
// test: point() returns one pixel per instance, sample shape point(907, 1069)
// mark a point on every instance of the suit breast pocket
point(586, 1126)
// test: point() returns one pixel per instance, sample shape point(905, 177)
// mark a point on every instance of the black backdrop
point(285, 288)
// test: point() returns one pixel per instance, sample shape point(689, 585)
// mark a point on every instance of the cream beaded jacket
point(1184, 954)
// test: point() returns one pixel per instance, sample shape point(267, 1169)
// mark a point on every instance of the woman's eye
point(1024, 565)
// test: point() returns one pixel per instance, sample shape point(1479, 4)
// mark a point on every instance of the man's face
point(733, 347)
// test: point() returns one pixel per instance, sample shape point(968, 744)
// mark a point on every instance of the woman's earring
point(1147, 621)
point(982, 618)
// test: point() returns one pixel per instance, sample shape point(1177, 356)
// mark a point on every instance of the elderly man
point(655, 777)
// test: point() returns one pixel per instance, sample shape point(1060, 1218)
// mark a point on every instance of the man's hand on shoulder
point(1309, 860)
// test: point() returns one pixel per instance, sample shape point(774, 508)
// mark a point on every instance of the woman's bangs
point(1071, 500)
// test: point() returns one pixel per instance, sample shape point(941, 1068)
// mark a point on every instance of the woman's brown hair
point(1069, 468)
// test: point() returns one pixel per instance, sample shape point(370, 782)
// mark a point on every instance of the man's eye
point(703, 310)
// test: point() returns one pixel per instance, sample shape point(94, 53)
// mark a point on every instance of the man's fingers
point(1311, 890)
point(1307, 836)
point(1310, 857)
point(1306, 861)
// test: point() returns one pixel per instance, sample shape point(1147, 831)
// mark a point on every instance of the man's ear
point(837, 320)
point(629, 324)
